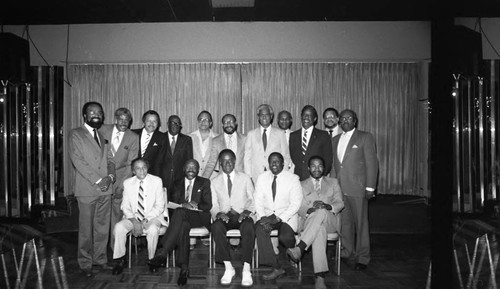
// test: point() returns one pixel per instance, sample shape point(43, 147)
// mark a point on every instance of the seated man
point(193, 194)
point(233, 204)
point(278, 197)
point(142, 205)
point(320, 207)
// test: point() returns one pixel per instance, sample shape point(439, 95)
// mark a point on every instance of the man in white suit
point(319, 212)
point(232, 208)
point(230, 139)
point(263, 141)
point(202, 142)
point(142, 205)
point(278, 196)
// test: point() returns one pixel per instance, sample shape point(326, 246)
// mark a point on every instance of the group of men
point(299, 183)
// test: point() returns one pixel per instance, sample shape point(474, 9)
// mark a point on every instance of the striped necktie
point(145, 144)
point(304, 143)
point(140, 204)
point(188, 191)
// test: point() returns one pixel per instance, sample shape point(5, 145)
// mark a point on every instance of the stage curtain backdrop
point(384, 95)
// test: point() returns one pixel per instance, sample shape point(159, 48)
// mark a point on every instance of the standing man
point(193, 194)
point(278, 196)
point(150, 139)
point(263, 141)
point(319, 213)
point(176, 150)
point(88, 150)
point(143, 205)
point(285, 123)
point(230, 139)
point(123, 150)
point(232, 208)
point(330, 120)
point(202, 142)
point(356, 167)
point(309, 141)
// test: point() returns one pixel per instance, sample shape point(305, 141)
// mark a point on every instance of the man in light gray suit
point(203, 142)
point(93, 179)
point(262, 141)
point(230, 139)
point(355, 165)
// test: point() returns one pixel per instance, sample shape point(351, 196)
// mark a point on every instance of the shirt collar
point(89, 128)
point(268, 129)
point(349, 133)
point(309, 130)
point(145, 132)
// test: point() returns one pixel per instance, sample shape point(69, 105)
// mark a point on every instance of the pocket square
point(126, 147)
point(155, 144)
point(355, 147)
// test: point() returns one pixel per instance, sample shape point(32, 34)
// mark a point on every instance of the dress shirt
point(170, 138)
point(91, 131)
point(234, 142)
point(204, 143)
point(268, 131)
point(120, 137)
point(343, 142)
point(287, 134)
point(309, 133)
point(144, 136)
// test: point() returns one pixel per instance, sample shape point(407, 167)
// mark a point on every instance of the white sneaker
point(246, 279)
point(228, 276)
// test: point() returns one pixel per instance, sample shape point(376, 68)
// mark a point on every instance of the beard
point(94, 122)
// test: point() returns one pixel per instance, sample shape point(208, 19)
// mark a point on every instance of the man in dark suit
point(331, 121)
point(93, 181)
point(194, 195)
point(123, 150)
point(150, 139)
point(355, 165)
point(309, 141)
point(174, 152)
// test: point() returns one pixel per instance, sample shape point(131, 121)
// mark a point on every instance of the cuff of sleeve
point(370, 189)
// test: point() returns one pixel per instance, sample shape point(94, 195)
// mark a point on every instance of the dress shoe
point(87, 273)
point(227, 277)
point(156, 263)
point(246, 279)
point(360, 266)
point(183, 277)
point(320, 283)
point(274, 274)
point(119, 265)
point(294, 253)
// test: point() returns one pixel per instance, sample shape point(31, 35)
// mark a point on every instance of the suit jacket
point(329, 193)
point(169, 166)
point(359, 168)
point(153, 150)
point(319, 144)
point(201, 194)
point(218, 144)
point(89, 161)
point(154, 198)
point(256, 159)
point(241, 194)
point(125, 154)
point(197, 153)
point(287, 201)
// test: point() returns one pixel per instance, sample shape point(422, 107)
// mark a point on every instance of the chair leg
point(210, 264)
point(130, 251)
point(337, 256)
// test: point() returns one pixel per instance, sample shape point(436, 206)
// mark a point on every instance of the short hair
point(86, 106)
point(191, 161)
point(280, 156)
point(141, 159)
point(227, 151)
point(123, 111)
point(264, 106)
point(316, 157)
point(204, 111)
point(335, 112)
point(153, 112)
point(228, 114)
point(311, 108)
point(284, 111)
point(174, 116)
point(354, 115)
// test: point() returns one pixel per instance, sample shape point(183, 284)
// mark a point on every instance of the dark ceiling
point(35, 12)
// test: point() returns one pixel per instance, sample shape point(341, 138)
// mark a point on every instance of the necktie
point(115, 143)
point(145, 144)
point(304, 143)
point(230, 142)
point(96, 137)
point(188, 191)
point(317, 185)
point(331, 132)
point(172, 145)
point(140, 203)
point(273, 187)
point(264, 138)
point(229, 185)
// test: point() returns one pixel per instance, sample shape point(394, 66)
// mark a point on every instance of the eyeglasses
point(346, 118)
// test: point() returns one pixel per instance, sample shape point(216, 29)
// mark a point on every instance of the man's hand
point(267, 227)
point(321, 205)
point(105, 183)
point(245, 214)
point(274, 219)
point(224, 218)
point(311, 210)
point(191, 205)
point(137, 230)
